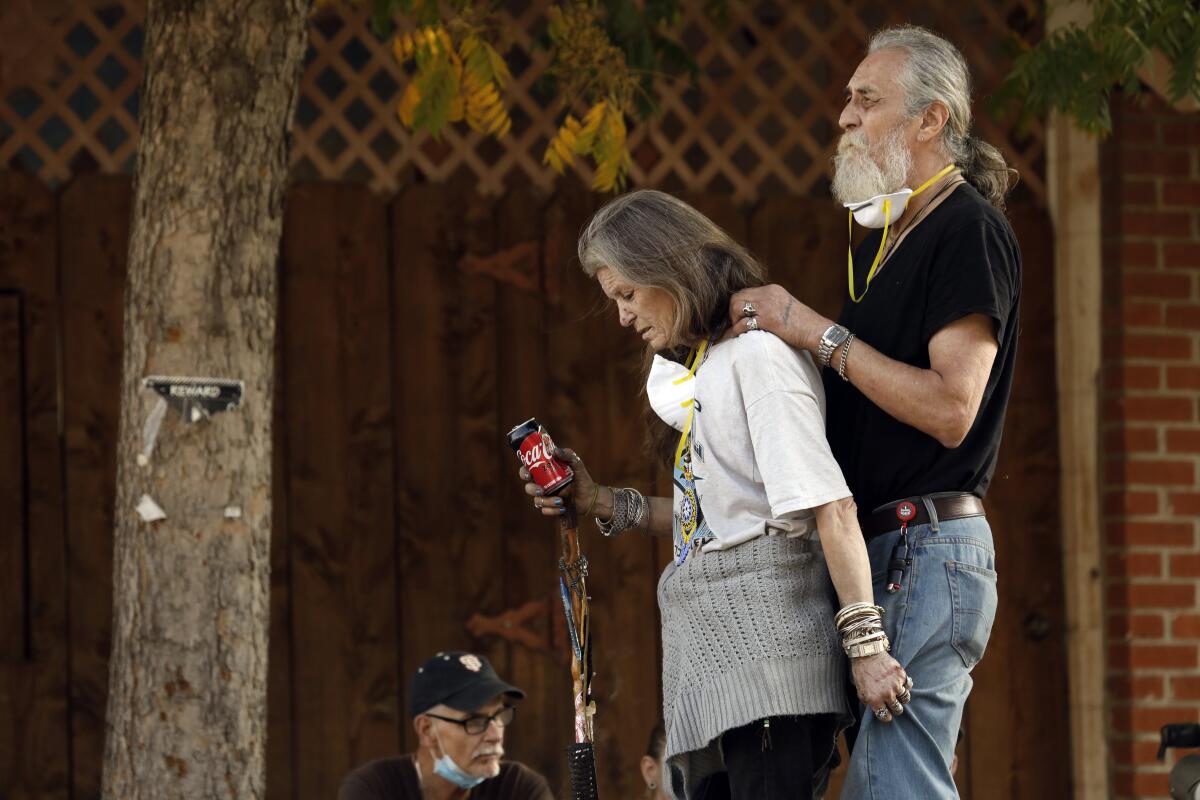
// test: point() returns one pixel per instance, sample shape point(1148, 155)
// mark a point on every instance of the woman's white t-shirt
point(759, 452)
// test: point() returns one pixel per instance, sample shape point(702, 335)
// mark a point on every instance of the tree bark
point(188, 677)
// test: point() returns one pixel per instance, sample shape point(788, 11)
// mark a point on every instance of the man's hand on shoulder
point(780, 313)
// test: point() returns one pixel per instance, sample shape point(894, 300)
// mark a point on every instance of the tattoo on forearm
point(787, 312)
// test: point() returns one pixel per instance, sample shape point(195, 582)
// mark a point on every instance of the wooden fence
point(413, 334)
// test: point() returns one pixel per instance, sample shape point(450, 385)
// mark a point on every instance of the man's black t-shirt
point(396, 779)
point(962, 259)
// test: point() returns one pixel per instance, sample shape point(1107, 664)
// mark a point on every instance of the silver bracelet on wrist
point(845, 355)
point(629, 509)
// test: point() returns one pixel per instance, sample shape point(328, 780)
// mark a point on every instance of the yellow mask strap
point(946, 170)
point(695, 359)
point(692, 363)
point(887, 213)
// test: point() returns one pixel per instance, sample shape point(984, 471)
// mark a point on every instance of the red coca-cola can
point(535, 448)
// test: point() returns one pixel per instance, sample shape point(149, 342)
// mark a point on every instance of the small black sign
point(197, 398)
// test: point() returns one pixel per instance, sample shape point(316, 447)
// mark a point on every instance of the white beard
point(861, 172)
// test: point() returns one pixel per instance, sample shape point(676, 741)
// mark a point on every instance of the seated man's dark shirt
point(396, 779)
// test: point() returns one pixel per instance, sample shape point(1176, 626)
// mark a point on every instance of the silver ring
point(897, 707)
point(904, 697)
point(882, 714)
point(752, 323)
point(748, 310)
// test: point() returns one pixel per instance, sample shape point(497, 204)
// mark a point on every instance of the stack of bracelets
point(861, 628)
point(630, 510)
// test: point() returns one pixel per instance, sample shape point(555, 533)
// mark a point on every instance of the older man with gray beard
point(920, 363)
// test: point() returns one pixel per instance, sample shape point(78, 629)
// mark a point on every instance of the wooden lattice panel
point(761, 119)
point(76, 110)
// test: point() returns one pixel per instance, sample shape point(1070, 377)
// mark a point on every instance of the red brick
point(1186, 565)
point(1183, 440)
point(1152, 656)
point(1146, 315)
point(1130, 503)
point(1139, 254)
point(1184, 316)
point(1133, 376)
point(1137, 687)
point(1181, 194)
point(1186, 687)
point(1183, 503)
point(1150, 719)
point(1145, 345)
point(1183, 377)
point(1181, 255)
point(1129, 565)
point(1186, 626)
point(1151, 285)
point(1151, 534)
point(1180, 132)
point(1136, 626)
point(1168, 163)
point(1135, 753)
point(1152, 595)
point(1154, 472)
point(1136, 130)
point(1148, 784)
point(1156, 223)
point(1149, 409)
point(1139, 193)
point(1131, 440)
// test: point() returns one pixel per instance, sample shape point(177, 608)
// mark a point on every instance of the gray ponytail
point(984, 168)
point(936, 71)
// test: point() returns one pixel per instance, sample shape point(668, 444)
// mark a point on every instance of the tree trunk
point(187, 711)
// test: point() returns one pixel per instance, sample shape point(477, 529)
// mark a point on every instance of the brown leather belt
point(948, 506)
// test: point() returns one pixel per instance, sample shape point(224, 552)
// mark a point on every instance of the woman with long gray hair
point(761, 519)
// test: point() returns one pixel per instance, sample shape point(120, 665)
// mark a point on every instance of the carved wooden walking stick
point(581, 756)
point(538, 455)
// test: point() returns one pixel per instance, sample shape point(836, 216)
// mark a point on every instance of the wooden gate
point(413, 334)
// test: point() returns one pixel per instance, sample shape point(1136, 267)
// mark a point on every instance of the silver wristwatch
point(833, 338)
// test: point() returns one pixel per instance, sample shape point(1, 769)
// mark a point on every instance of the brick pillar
point(1151, 432)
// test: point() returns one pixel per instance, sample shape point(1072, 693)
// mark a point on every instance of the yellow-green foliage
point(602, 136)
point(604, 55)
point(590, 69)
point(457, 78)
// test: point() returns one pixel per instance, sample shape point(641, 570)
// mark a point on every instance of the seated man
point(461, 710)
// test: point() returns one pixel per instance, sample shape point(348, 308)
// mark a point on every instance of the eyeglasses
point(478, 723)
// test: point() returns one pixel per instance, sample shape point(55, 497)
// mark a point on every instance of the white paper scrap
point(149, 510)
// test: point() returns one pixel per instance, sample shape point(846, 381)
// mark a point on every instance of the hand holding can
point(552, 476)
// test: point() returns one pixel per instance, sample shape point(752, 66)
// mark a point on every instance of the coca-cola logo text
point(537, 454)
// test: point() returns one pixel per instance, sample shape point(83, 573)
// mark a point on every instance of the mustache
point(491, 750)
point(852, 140)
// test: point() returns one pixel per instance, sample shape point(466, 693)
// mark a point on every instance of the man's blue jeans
point(938, 623)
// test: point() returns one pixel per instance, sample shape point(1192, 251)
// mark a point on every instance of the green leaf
point(438, 85)
point(382, 12)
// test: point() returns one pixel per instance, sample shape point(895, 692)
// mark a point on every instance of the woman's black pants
point(774, 759)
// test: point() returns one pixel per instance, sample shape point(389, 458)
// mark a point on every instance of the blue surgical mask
point(446, 768)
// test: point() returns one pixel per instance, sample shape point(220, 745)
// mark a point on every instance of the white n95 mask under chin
point(671, 389)
point(880, 210)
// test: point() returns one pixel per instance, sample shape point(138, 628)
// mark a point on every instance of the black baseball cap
point(462, 681)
